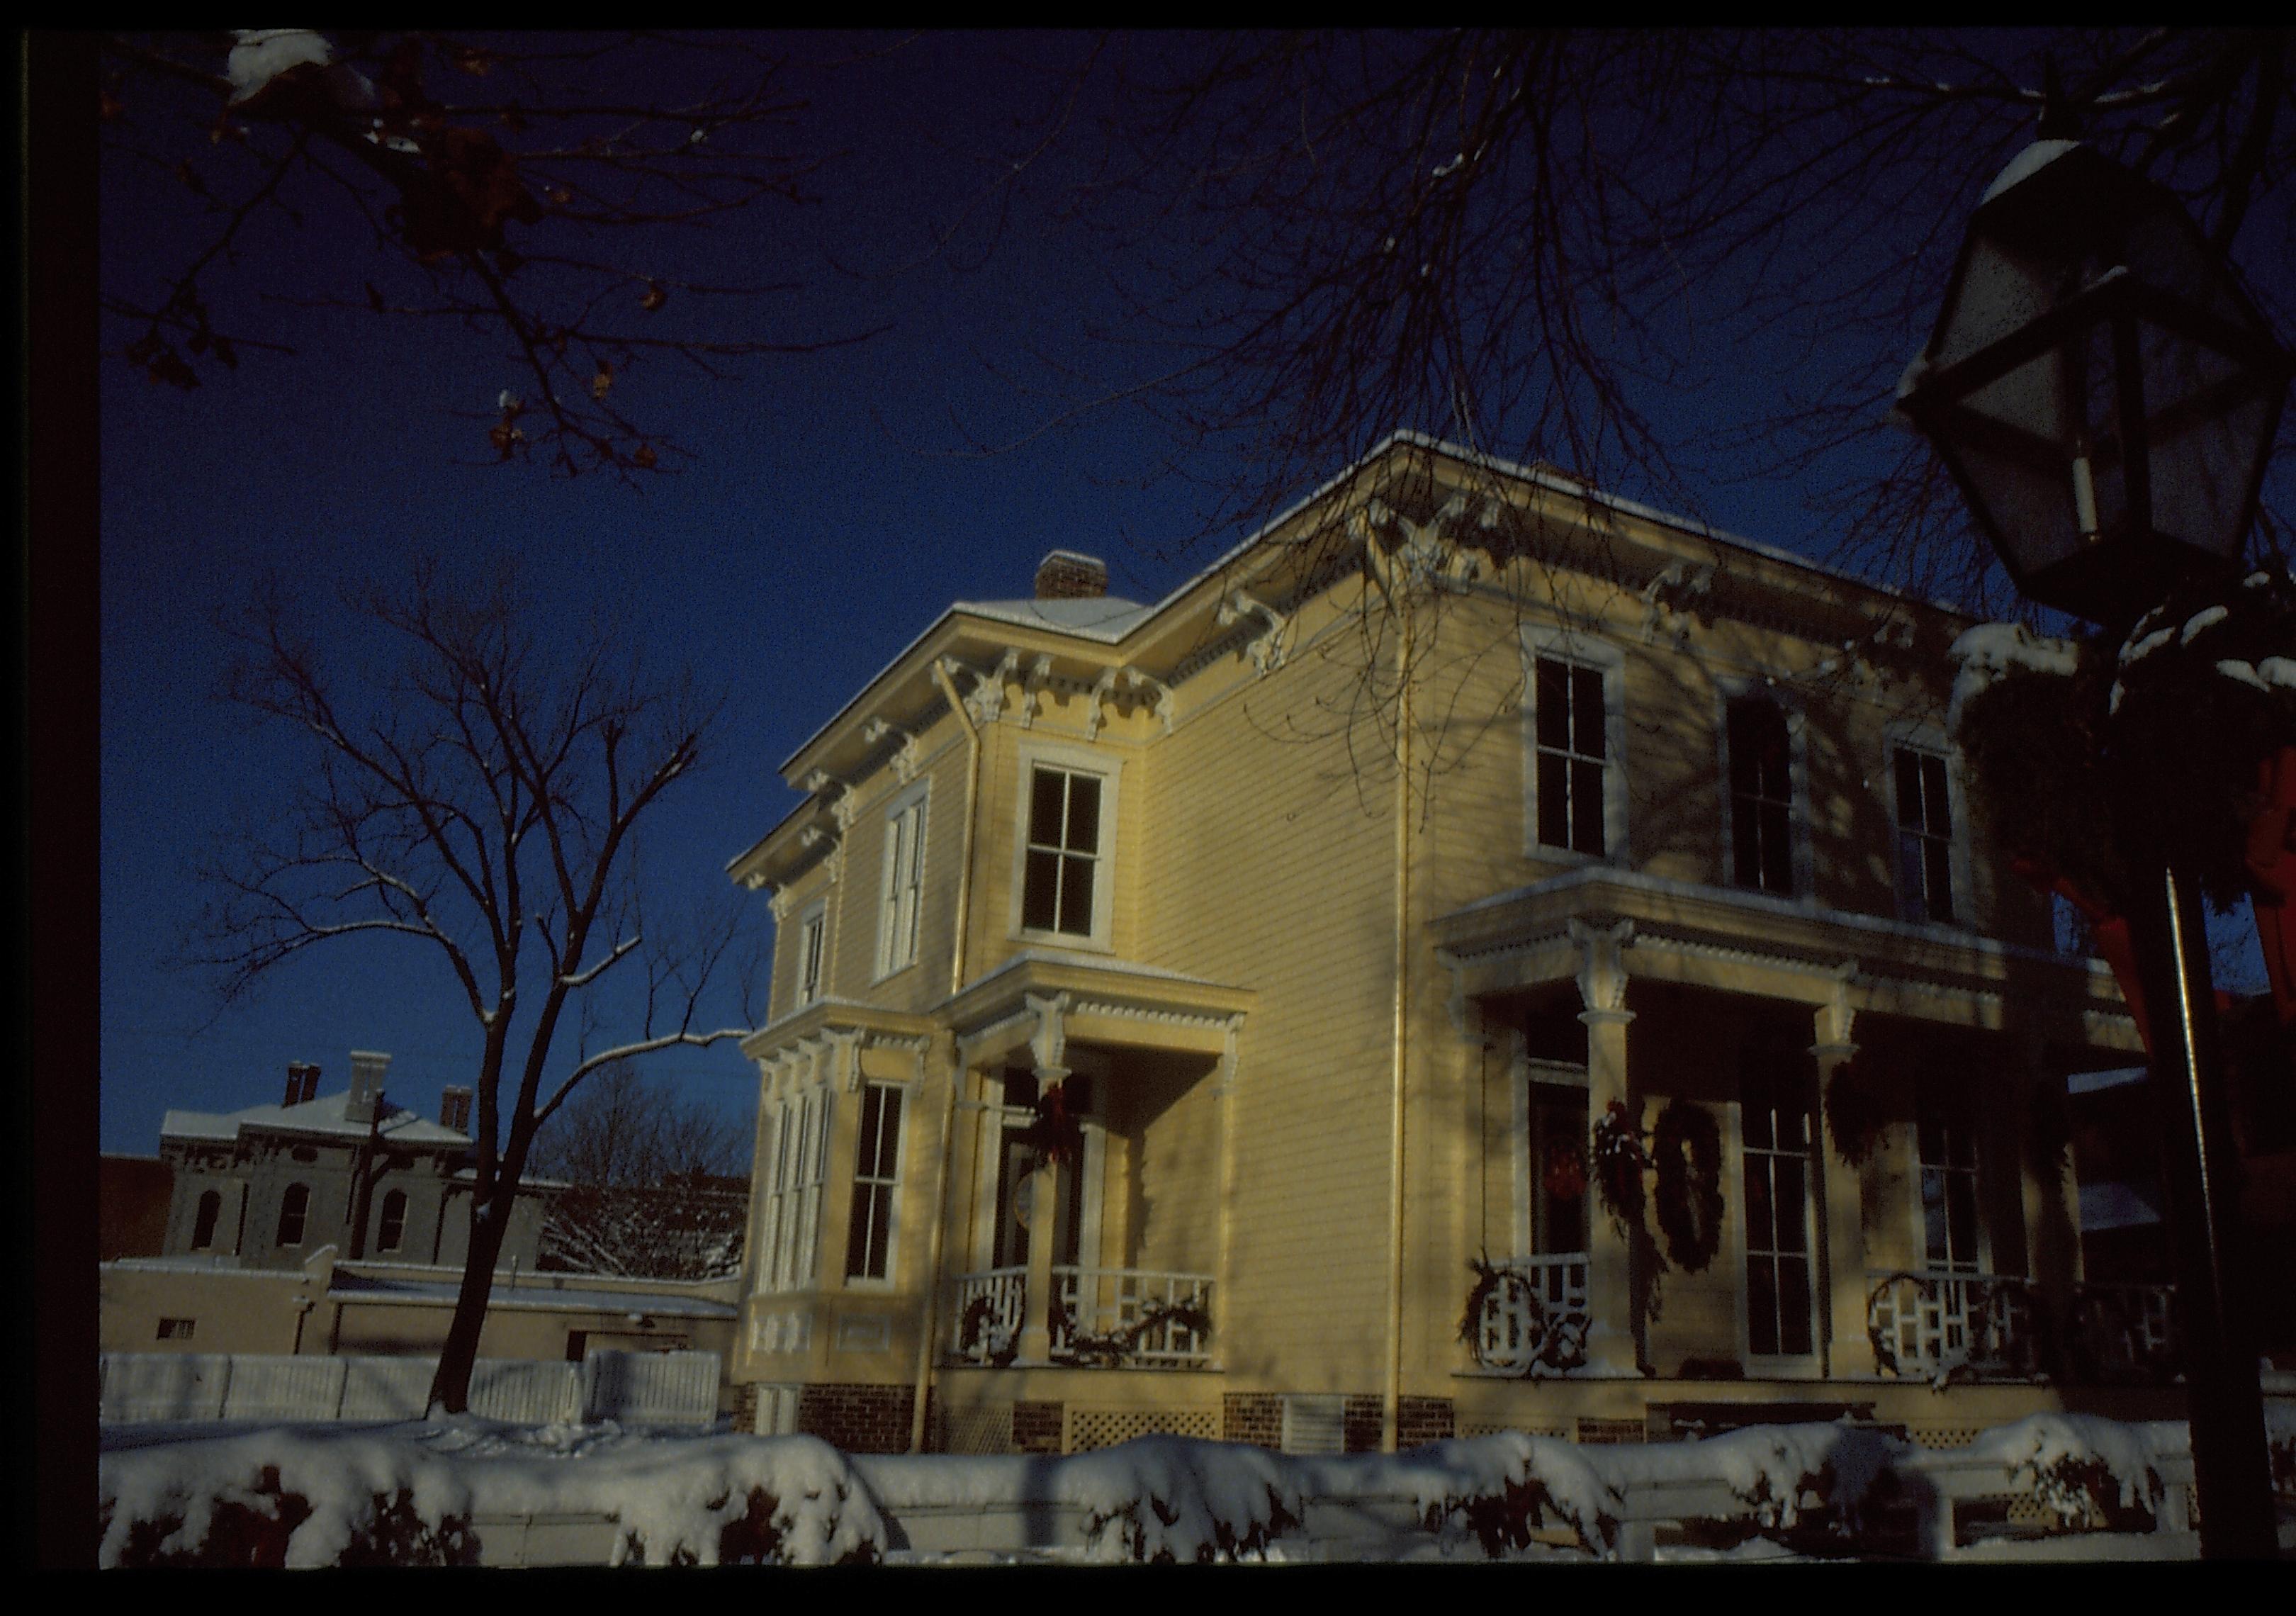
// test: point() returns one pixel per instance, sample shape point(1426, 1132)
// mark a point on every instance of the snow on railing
point(1530, 1313)
point(989, 1306)
point(1136, 1316)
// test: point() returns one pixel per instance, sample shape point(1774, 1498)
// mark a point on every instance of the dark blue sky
point(832, 514)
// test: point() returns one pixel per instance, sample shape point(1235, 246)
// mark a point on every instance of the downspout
point(926, 1321)
point(1391, 1403)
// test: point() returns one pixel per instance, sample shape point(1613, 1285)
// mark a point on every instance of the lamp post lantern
point(2105, 396)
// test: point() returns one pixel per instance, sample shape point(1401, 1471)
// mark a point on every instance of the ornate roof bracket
point(1602, 966)
point(905, 761)
point(1032, 686)
point(1102, 689)
point(1049, 1044)
point(1168, 705)
point(1265, 650)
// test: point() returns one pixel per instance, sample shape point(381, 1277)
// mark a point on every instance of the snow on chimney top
point(1066, 576)
point(302, 1082)
point(367, 1067)
point(454, 1108)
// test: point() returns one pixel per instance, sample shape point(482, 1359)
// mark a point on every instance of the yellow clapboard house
point(1482, 955)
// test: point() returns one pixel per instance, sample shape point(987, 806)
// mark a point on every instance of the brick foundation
point(1422, 1420)
point(1252, 1416)
point(1361, 1418)
point(1036, 1428)
point(858, 1418)
point(745, 1408)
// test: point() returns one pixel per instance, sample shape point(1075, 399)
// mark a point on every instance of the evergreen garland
point(1688, 1146)
point(1620, 1159)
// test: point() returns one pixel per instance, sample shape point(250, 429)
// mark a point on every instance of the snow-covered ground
point(455, 1490)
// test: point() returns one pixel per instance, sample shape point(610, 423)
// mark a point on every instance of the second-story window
point(902, 892)
point(1063, 851)
point(1924, 836)
point(203, 1226)
point(812, 936)
point(1572, 726)
point(1761, 795)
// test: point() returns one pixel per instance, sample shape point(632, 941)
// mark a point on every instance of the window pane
point(889, 1136)
point(1937, 808)
point(1938, 864)
point(1961, 1208)
point(1552, 699)
point(1909, 791)
point(1040, 894)
point(1083, 815)
point(1586, 725)
point(1045, 801)
point(1758, 1205)
point(1788, 1204)
point(1794, 1305)
point(1761, 1306)
point(1745, 845)
point(1934, 1243)
point(1554, 801)
point(1777, 847)
point(1744, 741)
point(1587, 807)
point(1075, 896)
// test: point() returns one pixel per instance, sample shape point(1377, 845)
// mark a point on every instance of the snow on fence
point(458, 1491)
point(677, 1389)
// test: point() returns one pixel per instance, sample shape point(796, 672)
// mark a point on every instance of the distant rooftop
point(325, 1114)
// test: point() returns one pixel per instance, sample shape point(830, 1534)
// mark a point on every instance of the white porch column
point(1848, 1350)
point(1049, 1046)
point(1610, 1329)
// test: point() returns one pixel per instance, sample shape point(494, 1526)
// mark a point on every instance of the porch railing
point(1109, 1317)
point(1929, 1325)
point(2122, 1333)
point(1528, 1314)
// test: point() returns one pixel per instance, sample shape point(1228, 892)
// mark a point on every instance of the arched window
point(203, 1226)
point(292, 1206)
point(393, 1229)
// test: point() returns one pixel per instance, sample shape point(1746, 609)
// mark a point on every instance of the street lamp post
point(2105, 396)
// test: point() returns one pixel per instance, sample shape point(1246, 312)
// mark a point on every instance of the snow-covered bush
point(1173, 1498)
point(2077, 1463)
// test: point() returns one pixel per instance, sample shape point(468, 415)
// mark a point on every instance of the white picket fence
point(634, 1388)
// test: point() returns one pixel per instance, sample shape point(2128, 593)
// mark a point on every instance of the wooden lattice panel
point(1092, 1428)
point(1944, 1436)
point(1491, 1428)
point(978, 1431)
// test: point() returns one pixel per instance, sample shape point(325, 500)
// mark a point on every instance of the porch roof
point(1099, 1000)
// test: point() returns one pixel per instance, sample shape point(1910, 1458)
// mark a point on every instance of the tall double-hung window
point(1760, 749)
point(1924, 835)
point(812, 952)
point(1066, 845)
point(901, 890)
point(794, 1166)
point(1946, 1129)
point(1576, 799)
point(1777, 1130)
point(876, 1178)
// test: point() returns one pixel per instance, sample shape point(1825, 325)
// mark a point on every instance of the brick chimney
point(367, 1067)
point(454, 1108)
point(1066, 576)
point(302, 1082)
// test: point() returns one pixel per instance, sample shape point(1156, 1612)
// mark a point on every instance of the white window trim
point(793, 1187)
point(1798, 818)
point(905, 1092)
point(1581, 650)
point(1930, 738)
point(1081, 760)
point(817, 911)
point(896, 953)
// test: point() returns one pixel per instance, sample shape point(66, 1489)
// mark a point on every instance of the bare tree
point(530, 190)
point(483, 801)
point(1535, 243)
point(632, 1130)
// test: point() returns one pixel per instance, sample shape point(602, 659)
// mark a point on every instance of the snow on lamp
point(2100, 387)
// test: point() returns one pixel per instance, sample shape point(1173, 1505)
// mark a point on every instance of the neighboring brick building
point(1672, 848)
point(267, 1186)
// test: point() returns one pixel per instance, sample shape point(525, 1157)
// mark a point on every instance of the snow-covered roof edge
point(1553, 482)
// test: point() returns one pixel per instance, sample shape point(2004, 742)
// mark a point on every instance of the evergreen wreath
point(1688, 1147)
point(1620, 1159)
point(1857, 1109)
